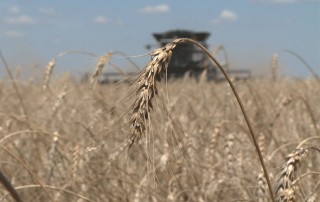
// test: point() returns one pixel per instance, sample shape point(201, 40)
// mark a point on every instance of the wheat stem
point(15, 86)
point(146, 89)
point(316, 76)
point(182, 40)
point(7, 184)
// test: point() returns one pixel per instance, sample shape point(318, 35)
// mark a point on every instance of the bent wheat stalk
point(225, 55)
point(51, 65)
point(15, 86)
point(127, 58)
point(146, 89)
point(310, 69)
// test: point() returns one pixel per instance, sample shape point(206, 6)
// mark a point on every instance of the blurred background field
point(63, 144)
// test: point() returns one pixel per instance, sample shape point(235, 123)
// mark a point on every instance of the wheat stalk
point(51, 65)
point(225, 55)
point(127, 58)
point(217, 50)
point(49, 187)
point(15, 86)
point(28, 169)
point(9, 187)
point(284, 102)
point(311, 114)
point(146, 89)
point(310, 69)
point(274, 66)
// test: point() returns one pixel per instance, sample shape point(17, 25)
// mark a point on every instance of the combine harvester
point(188, 60)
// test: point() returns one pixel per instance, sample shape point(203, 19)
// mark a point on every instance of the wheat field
point(171, 140)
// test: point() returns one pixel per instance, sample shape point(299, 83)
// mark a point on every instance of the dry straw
point(146, 89)
point(308, 67)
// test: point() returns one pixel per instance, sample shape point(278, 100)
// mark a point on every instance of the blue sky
point(33, 31)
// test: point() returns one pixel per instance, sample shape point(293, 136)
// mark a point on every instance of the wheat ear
point(284, 188)
point(260, 192)
point(97, 72)
point(48, 73)
point(52, 153)
point(229, 148)
point(146, 89)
